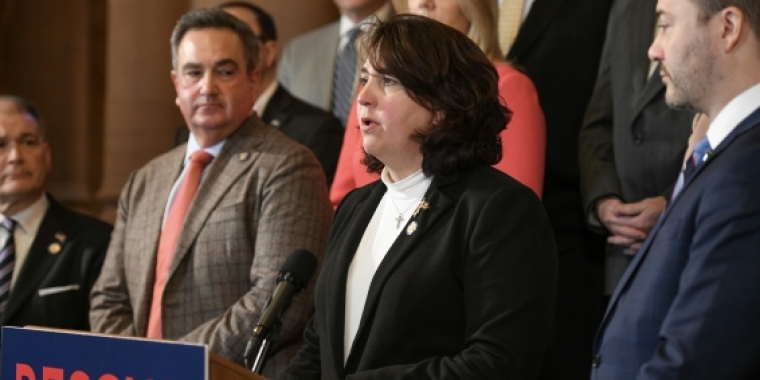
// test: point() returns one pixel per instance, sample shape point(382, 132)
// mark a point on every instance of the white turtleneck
point(401, 200)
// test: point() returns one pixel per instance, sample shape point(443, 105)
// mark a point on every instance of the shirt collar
point(29, 219)
point(192, 146)
point(738, 109)
point(263, 100)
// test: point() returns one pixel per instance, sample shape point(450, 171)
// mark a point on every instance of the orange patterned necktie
point(170, 234)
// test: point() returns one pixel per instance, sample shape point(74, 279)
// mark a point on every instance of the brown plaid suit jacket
point(261, 198)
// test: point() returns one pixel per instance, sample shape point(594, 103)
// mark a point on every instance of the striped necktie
point(7, 261)
point(343, 78)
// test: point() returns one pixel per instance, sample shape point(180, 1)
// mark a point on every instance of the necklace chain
point(400, 218)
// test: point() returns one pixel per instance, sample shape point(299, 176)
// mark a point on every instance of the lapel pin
point(60, 237)
point(411, 228)
point(54, 248)
point(707, 155)
point(423, 205)
point(243, 156)
point(275, 123)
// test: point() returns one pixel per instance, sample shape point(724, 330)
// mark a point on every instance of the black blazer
point(64, 261)
point(559, 46)
point(315, 128)
point(469, 294)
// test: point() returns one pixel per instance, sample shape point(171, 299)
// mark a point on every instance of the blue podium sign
point(30, 354)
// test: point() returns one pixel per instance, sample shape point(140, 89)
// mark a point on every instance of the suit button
point(638, 139)
point(596, 360)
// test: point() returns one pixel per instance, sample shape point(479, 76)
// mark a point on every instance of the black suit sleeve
point(306, 364)
point(326, 143)
point(599, 177)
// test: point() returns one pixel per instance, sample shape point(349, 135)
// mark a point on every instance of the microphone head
point(298, 268)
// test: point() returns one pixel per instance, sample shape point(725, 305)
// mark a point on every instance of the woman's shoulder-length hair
point(442, 70)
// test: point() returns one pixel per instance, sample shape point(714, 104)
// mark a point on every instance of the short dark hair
point(216, 18)
point(265, 20)
point(750, 8)
point(442, 70)
point(26, 107)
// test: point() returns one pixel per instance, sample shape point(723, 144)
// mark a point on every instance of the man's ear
point(173, 75)
point(272, 53)
point(733, 23)
point(254, 79)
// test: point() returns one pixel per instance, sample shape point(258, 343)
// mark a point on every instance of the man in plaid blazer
point(261, 197)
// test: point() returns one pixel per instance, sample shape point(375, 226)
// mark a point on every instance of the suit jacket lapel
point(652, 88)
point(403, 246)
point(39, 259)
point(275, 113)
point(645, 87)
point(541, 14)
point(349, 238)
point(159, 185)
point(237, 155)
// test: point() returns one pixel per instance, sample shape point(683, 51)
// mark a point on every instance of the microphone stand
point(263, 337)
point(265, 346)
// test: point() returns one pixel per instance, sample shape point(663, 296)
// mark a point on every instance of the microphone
point(293, 277)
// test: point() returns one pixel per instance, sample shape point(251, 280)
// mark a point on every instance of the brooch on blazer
point(55, 247)
point(412, 227)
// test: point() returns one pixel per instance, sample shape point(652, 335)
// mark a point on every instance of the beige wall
point(292, 17)
point(50, 53)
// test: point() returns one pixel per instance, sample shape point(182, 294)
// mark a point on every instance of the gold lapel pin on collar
point(423, 205)
point(243, 156)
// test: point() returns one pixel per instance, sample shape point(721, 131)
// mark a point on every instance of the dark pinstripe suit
point(261, 198)
point(631, 143)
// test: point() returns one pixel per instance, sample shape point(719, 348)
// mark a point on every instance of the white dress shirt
point(192, 146)
point(732, 114)
point(400, 199)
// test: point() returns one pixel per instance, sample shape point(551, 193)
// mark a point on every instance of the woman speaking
point(446, 267)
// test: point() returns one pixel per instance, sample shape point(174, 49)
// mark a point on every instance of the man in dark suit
point(200, 268)
point(688, 306)
point(631, 143)
point(50, 255)
point(558, 45)
point(319, 130)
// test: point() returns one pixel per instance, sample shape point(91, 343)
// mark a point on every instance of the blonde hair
point(483, 16)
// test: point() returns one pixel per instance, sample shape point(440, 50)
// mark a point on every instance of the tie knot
point(353, 34)
point(8, 224)
point(201, 157)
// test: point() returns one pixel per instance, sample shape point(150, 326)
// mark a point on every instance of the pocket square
point(57, 289)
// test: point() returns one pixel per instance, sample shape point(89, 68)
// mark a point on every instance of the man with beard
point(688, 304)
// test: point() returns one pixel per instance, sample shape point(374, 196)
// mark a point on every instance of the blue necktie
point(7, 261)
point(701, 151)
